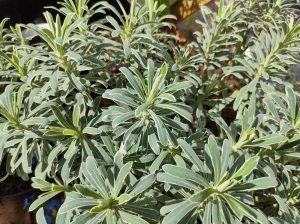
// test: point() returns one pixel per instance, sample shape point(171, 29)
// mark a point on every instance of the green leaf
point(241, 210)
point(158, 161)
point(181, 109)
point(226, 151)
point(40, 216)
point(272, 109)
point(256, 184)
point(60, 117)
point(185, 174)
point(43, 199)
point(193, 157)
point(41, 184)
point(214, 154)
point(124, 172)
point(134, 82)
point(108, 144)
point(91, 131)
point(142, 108)
point(123, 198)
point(291, 99)
point(132, 219)
point(221, 123)
point(179, 212)
point(119, 98)
point(268, 140)
point(122, 118)
point(92, 174)
point(178, 181)
point(283, 206)
point(110, 217)
point(202, 195)
point(158, 81)
point(207, 213)
point(175, 87)
point(87, 191)
point(77, 203)
point(76, 82)
point(160, 127)
point(142, 185)
point(247, 168)
point(152, 140)
point(216, 219)
point(147, 213)
point(167, 96)
point(70, 132)
point(98, 217)
point(98, 209)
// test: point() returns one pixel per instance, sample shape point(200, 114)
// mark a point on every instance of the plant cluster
point(134, 128)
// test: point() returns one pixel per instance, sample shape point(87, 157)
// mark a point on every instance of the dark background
point(26, 11)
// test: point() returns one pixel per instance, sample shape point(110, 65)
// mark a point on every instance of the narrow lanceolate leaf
point(207, 213)
point(226, 151)
point(202, 195)
point(272, 109)
point(43, 199)
point(216, 219)
point(181, 109)
point(92, 174)
point(241, 210)
point(152, 140)
point(256, 184)
point(77, 203)
point(110, 217)
point(132, 219)
point(123, 118)
point(291, 99)
point(40, 216)
point(283, 206)
point(170, 179)
point(134, 82)
point(214, 154)
point(172, 88)
point(178, 213)
point(119, 97)
point(86, 191)
point(159, 80)
point(142, 185)
point(246, 168)
point(167, 97)
point(76, 82)
point(125, 170)
point(158, 161)
point(147, 213)
point(91, 131)
point(220, 122)
point(160, 127)
point(185, 174)
point(193, 157)
point(123, 198)
point(268, 141)
point(140, 109)
point(61, 118)
point(41, 184)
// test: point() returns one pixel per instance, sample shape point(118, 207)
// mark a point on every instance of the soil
point(12, 184)
point(12, 211)
point(13, 191)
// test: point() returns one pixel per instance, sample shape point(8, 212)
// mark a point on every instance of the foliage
point(133, 128)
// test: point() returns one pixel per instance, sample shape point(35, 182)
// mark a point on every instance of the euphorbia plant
point(130, 126)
